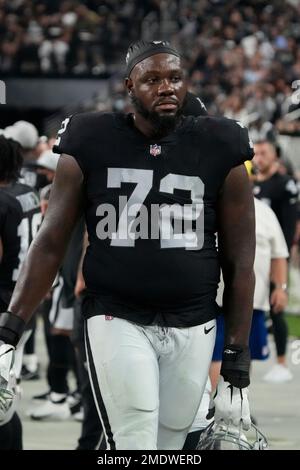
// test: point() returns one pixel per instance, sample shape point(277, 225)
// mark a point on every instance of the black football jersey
point(150, 209)
point(280, 192)
point(20, 218)
point(30, 176)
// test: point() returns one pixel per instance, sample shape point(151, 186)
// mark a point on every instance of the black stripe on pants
point(97, 393)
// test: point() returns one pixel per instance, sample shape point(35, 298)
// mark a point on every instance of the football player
point(155, 186)
point(92, 436)
point(20, 219)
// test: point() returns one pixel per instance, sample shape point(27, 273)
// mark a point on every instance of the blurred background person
point(20, 219)
point(280, 192)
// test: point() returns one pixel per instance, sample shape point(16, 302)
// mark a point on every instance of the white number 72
point(189, 238)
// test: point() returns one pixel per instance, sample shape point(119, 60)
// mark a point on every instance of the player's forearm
point(236, 243)
point(238, 306)
point(36, 277)
point(279, 271)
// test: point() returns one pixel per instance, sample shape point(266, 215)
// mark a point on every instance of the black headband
point(142, 49)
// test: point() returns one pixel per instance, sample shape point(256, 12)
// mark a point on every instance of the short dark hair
point(267, 141)
point(11, 159)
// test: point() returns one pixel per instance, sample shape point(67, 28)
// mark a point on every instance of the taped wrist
point(236, 365)
point(11, 328)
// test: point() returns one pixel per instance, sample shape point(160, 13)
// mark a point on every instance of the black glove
point(11, 328)
point(236, 365)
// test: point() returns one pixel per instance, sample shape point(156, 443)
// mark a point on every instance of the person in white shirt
point(270, 265)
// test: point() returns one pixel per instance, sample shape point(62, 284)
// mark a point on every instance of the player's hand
point(278, 300)
point(232, 405)
point(80, 286)
point(7, 379)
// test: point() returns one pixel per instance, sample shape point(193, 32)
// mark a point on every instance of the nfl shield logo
point(155, 150)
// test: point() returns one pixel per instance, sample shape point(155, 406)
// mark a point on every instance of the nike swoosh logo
point(209, 329)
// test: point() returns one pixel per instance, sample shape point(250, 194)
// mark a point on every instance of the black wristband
point(11, 328)
point(236, 365)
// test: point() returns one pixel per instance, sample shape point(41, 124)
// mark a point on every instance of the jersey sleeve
point(291, 189)
point(234, 142)
point(70, 139)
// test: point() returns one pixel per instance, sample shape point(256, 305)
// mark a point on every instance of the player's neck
point(142, 124)
point(147, 128)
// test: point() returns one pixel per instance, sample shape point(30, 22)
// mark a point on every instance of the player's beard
point(162, 124)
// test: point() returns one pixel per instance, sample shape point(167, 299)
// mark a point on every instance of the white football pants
point(147, 380)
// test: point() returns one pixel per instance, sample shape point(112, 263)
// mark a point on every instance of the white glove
point(232, 405)
point(7, 380)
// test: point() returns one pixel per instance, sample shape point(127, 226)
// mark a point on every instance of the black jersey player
point(20, 219)
point(277, 190)
point(155, 186)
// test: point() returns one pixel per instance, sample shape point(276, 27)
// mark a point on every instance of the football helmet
point(219, 436)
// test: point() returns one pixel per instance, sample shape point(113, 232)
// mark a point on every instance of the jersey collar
point(124, 122)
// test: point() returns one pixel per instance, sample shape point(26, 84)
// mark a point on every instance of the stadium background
point(242, 57)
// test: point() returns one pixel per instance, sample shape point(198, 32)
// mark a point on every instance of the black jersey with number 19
point(151, 214)
point(20, 218)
